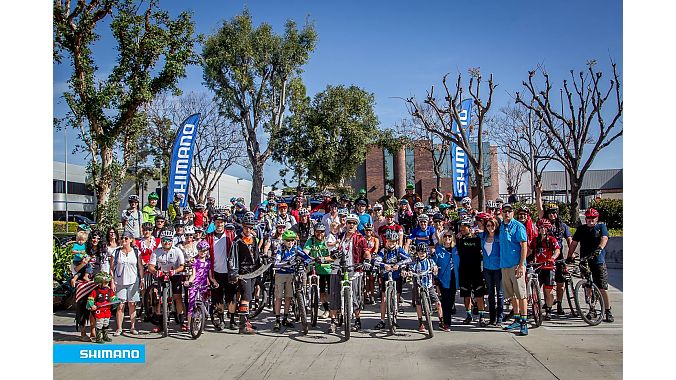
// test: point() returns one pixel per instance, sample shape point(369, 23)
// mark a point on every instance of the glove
point(597, 252)
point(570, 260)
point(171, 272)
point(159, 273)
point(367, 265)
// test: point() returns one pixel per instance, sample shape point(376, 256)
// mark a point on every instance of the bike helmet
point(444, 206)
point(202, 245)
point(102, 278)
point(250, 213)
point(361, 202)
point(418, 205)
point(368, 226)
point(544, 223)
point(303, 212)
point(377, 206)
point(482, 215)
point(281, 222)
point(437, 217)
point(271, 194)
point(189, 230)
point(147, 226)
point(409, 186)
point(462, 211)
point(552, 207)
point(403, 202)
point(84, 227)
point(491, 204)
point(220, 217)
point(352, 218)
point(160, 217)
point(233, 200)
point(167, 233)
point(133, 198)
point(591, 213)
point(430, 212)
point(391, 235)
point(272, 202)
point(199, 206)
point(389, 212)
point(389, 189)
point(239, 204)
point(289, 235)
point(248, 220)
point(199, 229)
point(229, 226)
point(320, 227)
point(240, 199)
point(153, 195)
point(179, 223)
point(282, 205)
point(423, 218)
point(524, 210)
point(421, 247)
point(187, 210)
point(343, 212)
point(466, 201)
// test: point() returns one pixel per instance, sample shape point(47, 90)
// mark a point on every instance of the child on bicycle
point(284, 259)
point(99, 302)
point(316, 248)
point(391, 258)
point(423, 263)
point(200, 278)
point(546, 249)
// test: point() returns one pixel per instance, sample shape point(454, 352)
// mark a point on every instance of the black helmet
point(147, 226)
point(421, 247)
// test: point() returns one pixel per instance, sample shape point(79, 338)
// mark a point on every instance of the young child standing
point(201, 276)
point(99, 302)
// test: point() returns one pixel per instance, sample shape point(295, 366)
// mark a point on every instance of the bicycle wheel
point(165, 310)
point(302, 314)
point(347, 306)
point(391, 297)
point(536, 302)
point(314, 305)
point(570, 290)
point(257, 303)
point(197, 322)
point(427, 312)
point(589, 303)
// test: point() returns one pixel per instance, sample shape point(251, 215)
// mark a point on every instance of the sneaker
point(548, 315)
point(482, 322)
point(514, 325)
point(326, 314)
point(232, 326)
point(380, 325)
point(523, 331)
point(467, 320)
point(332, 328)
point(609, 316)
point(246, 328)
point(276, 326)
point(286, 323)
point(421, 328)
point(444, 327)
point(357, 326)
point(559, 309)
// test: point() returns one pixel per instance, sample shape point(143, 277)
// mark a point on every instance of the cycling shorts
point(177, 284)
point(560, 266)
point(398, 281)
point(546, 278)
point(599, 275)
point(472, 280)
point(225, 291)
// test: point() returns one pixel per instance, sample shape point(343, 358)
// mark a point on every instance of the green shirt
point(149, 213)
point(318, 249)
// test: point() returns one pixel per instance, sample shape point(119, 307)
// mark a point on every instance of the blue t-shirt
point(363, 219)
point(444, 260)
point(391, 257)
point(419, 235)
point(589, 239)
point(425, 265)
point(511, 236)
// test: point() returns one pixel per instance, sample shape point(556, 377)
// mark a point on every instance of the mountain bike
point(424, 294)
point(164, 297)
point(314, 296)
point(588, 300)
point(299, 304)
point(199, 313)
point(346, 294)
point(570, 289)
point(391, 303)
point(260, 296)
point(534, 292)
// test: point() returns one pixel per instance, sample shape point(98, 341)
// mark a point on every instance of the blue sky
point(400, 48)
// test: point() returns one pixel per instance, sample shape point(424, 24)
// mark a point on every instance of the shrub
point(62, 257)
point(61, 227)
point(610, 211)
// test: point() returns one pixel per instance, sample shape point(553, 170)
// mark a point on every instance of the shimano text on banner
point(460, 167)
point(181, 159)
point(96, 353)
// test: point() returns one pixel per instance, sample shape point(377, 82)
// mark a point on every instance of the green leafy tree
point(108, 109)
point(252, 70)
point(330, 137)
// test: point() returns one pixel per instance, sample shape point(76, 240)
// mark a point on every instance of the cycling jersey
point(424, 265)
point(544, 250)
point(244, 257)
point(317, 248)
point(285, 256)
point(396, 256)
point(443, 257)
point(149, 213)
point(167, 260)
point(419, 235)
point(471, 255)
point(146, 249)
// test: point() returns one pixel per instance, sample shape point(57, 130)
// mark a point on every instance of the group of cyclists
point(451, 247)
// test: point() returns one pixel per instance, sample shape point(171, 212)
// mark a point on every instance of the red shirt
point(199, 219)
point(145, 250)
point(544, 251)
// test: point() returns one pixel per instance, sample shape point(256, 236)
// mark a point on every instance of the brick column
point(375, 174)
point(400, 172)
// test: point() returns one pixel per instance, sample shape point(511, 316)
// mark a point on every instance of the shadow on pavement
point(615, 277)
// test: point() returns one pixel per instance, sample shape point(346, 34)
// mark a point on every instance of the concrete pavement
point(564, 348)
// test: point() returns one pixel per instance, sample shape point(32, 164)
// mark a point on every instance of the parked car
point(79, 219)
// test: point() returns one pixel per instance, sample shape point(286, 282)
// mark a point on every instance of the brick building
point(415, 165)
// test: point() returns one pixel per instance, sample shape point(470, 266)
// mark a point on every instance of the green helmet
point(389, 212)
point(409, 186)
point(362, 191)
point(153, 195)
point(444, 206)
point(102, 278)
point(289, 235)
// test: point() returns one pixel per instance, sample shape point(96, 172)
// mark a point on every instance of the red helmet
point(483, 215)
point(544, 222)
point(591, 213)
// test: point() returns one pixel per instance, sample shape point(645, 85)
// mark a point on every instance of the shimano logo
point(182, 168)
point(110, 354)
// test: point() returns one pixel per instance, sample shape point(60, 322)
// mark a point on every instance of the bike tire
point(259, 301)
point(536, 302)
point(197, 322)
point(590, 305)
point(314, 305)
point(570, 291)
point(347, 317)
point(427, 311)
point(391, 297)
point(165, 310)
point(302, 311)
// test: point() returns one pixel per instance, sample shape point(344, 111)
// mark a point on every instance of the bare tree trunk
point(257, 187)
point(538, 196)
point(103, 185)
point(480, 188)
point(575, 187)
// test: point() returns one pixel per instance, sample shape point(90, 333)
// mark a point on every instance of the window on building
point(59, 186)
point(410, 166)
point(75, 188)
point(388, 165)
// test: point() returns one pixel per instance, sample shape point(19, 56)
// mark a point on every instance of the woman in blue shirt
point(443, 257)
point(490, 245)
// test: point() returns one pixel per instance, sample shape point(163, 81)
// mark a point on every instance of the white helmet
point(353, 218)
point(466, 201)
point(189, 230)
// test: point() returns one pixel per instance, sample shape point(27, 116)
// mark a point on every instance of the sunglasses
point(126, 238)
point(95, 238)
point(167, 240)
point(352, 223)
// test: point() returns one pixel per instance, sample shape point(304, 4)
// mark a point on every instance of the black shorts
point(398, 281)
point(434, 298)
point(599, 275)
point(560, 266)
point(244, 288)
point(546, 278)
point(177, 284)
point(324, 283)
point(225, 291)
point(472, 280)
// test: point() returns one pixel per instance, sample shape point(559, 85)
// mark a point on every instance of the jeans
point(494, 282)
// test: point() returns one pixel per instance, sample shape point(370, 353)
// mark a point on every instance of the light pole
point(65, 169)
point(532, 159)
point(563, 130)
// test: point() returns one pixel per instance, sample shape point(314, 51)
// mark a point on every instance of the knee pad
point(243, 310)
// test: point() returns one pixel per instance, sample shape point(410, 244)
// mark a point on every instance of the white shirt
point(133, 222)
point(220, 254)
point(126, 267)
point(328, 219)
point(167, 260)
